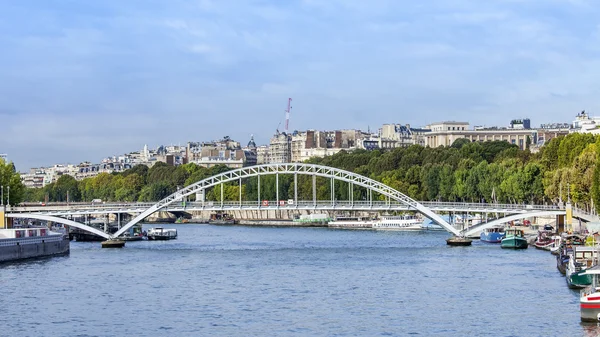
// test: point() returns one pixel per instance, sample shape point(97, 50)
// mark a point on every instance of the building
point(445, 133)
point(548, 131)
point(520, 124)
point(263, 155)
point(222, 152)
point(398, 135)
point(585, 124)
point(300, 146)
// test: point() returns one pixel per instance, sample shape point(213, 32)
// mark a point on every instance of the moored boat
point(160, 233)
point(24, 243)
point(589, 299)
point(351, 222)
point(544, 240)
point(492, 235)
point(581, 258)
point(402, 222)
point(514, 239)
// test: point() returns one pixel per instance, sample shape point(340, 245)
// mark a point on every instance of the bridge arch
point(293, 168)
point(58, 220)
point(478, 228)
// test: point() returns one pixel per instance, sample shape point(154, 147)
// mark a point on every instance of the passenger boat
point(351, 222)
point(514, 238)
point(402, 222)
point(493, 234)
point(24, 243)
point(589, 299)
point(581, 258)
point(160, 233)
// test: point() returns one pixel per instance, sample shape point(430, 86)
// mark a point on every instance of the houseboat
point(24, 243)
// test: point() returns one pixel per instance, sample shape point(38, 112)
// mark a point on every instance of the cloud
point(89, 80)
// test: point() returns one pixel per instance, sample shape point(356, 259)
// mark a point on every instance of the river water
point(253, 281)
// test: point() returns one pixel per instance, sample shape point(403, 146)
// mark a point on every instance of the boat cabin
point(515, 232)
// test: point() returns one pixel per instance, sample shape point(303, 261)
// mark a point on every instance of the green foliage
point(11, 180)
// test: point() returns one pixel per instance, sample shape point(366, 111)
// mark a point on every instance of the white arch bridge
point(395, 199)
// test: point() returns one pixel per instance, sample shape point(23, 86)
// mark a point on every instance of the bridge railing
point(320, 204)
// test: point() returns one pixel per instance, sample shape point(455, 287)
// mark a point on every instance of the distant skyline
point(82, 80)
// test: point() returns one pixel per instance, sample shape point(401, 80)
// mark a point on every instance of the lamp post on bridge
point(2, 195)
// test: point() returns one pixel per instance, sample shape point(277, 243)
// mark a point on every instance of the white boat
point(24, 243)
point(402, 222)
point(351, 222)
point(589, 299)
point(160, 233)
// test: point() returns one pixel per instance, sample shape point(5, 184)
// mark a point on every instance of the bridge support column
point(351, 189)
point(119, 220)
point(296, 190)
point(314, 183)
point(332, 192)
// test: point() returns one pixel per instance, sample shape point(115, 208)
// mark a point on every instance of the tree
point(11, 181)
point(65, 186)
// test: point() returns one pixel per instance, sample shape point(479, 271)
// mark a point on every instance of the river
point(265, 281)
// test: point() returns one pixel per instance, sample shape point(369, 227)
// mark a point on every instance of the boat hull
point(161, 237)
point(514, 243)
point(590, 308)
point(578, 280)
point(491, 237)
point(33, 247)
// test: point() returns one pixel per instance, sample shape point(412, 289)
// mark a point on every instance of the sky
point(83, 80)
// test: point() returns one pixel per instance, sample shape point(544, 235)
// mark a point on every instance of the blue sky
point(81, 80)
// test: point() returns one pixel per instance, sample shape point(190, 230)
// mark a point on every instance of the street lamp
point(1, 195)
point(8, 197)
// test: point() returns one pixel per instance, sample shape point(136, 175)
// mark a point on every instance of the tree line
point(493, 171)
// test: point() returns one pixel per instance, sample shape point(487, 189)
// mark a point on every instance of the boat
point(313, 218)
point(113, 243)
point(544, 240)
point(514, 238)
point(160, 233)
point(589, 298)
point(555, 247)
point(564, 254)
point(351, 222)
point(24, 243)
point(402, 222)
point(129, 237)
point(493, 234)
point(458, 241)
point(221, 219)
point(581, 258)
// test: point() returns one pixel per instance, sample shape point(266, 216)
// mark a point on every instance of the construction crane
point(287, 114)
